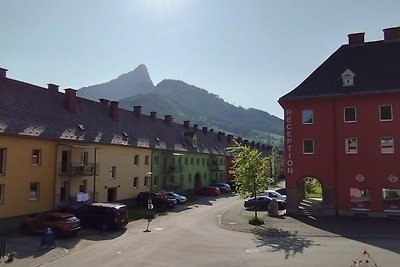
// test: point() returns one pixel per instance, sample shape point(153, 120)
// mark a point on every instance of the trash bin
point(48, 239)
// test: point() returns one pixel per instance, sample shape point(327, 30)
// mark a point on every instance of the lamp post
point(180, 170)
point(149, 201)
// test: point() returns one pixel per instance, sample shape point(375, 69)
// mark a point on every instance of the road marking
point(251, 250)
point(232, 223)
point(159, 229)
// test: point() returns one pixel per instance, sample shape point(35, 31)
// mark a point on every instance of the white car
point(224, 188)
point(273, 194)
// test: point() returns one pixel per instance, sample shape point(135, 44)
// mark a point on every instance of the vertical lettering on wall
point(289, 140)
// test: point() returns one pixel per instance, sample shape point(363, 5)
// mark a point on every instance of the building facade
point(342, 128)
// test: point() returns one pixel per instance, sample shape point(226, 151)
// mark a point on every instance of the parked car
point(59, 223)
point(157, 200)
point(262, 202)
point(224, 188)
point(209, 191)
point(104, 216)
point(180, 199)
point(281, 191)
point(273, 194)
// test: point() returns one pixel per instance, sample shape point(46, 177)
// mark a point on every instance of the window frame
point(2, 193)
point(34, 194)
point(36, 159)
point(135, 182)
point(113, 172)
point(347, 148)
point(146, 160)
point(303, 113)
point(392, 146)
point(344, 114)
point(136, 159)
point(3, 154)
point(380, 112)
point(313, 146)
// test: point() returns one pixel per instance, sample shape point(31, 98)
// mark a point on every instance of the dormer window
point(348, 78)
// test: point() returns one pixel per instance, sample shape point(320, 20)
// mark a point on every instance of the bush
point(255, 221)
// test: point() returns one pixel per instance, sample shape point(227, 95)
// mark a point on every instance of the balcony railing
point(173, 168)
point(217, 167)
point(77, 169)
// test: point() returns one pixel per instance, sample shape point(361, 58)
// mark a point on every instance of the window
point(136, 160)
point(191, 161)
point(155, 181)
point(186, 161)
point(351, 146)
point(83, 186)
point(360, 198)
point(350, 114)
point(385, 112)
point(135, 182)
point(307, 116)
point(391, 199)
point(203, 161)
point(197, 161)
point(34, 191)
point(172, 179)
point(2, 161)
point(113, 172)
point(36, 157)
point(190, 178)
point(156, 161)
point(84, 157)
point(387, 145)
point(146, 161)
point(308, 146)
point(145, 181)
point(348, 78)
point(1, 194)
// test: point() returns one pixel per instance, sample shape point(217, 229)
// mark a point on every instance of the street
point(192, 236)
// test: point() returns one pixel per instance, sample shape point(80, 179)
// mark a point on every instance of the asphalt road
point(193, 236)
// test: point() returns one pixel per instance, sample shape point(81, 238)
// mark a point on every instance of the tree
point(275, 164)
point(250, 170)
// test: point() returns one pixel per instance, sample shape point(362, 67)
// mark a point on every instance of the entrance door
point(197, 182)
point(112, 194)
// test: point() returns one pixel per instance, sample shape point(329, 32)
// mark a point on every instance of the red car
point(60, 223)
point(209, 191)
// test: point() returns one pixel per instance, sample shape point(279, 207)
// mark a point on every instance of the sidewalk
point(237, 219)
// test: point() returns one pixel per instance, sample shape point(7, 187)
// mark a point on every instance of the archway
point(310, 196)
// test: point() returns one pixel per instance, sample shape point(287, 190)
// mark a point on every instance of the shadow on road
point(278, 240)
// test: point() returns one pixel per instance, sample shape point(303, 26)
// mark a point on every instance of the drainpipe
point(94, 174)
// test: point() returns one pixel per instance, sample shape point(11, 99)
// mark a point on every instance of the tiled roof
point(29, 110)
point(375, 65)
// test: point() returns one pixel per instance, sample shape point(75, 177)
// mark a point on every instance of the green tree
point(250, 170)
point(275, 164)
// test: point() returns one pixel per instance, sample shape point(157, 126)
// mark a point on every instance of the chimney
point(137, 110)
point(356, 38)
point(258, 146)
point(239, 140)
point(153, 115)
point(114, 110)
point(104, 102)
point(245, 142)
point(229, 137)
point(263, 147)
point(391, 34)
point(219, 135)
point(70, 99)
point(211, 130)
point(3, 73)
point(53, 88)
point(195, 127)
point(253, 144)
point(168, 119)
point(205, 129)
point(186, 124)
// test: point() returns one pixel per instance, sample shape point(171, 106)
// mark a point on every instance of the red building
point(342, 126)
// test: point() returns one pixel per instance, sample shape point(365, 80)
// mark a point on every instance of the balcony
point(217, 167)
point(77, 169)
point(172, 169)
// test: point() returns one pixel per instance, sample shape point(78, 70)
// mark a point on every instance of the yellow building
point(27, 175)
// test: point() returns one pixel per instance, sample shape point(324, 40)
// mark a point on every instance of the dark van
point(103, 216)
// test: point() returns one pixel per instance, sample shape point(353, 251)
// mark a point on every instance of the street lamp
point(180, 170)
point(149, 202)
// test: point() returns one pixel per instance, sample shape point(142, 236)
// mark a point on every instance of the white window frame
point(303, 113)
point(391, 112)
point(387, 148)
point(355, 114)
point(36, 157)
point(313, 147)
point(351, 145)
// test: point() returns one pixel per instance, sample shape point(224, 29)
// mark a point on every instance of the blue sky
point(249, 52)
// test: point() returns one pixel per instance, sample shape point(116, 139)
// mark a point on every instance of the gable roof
point(33, 111)
point(375, 65)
